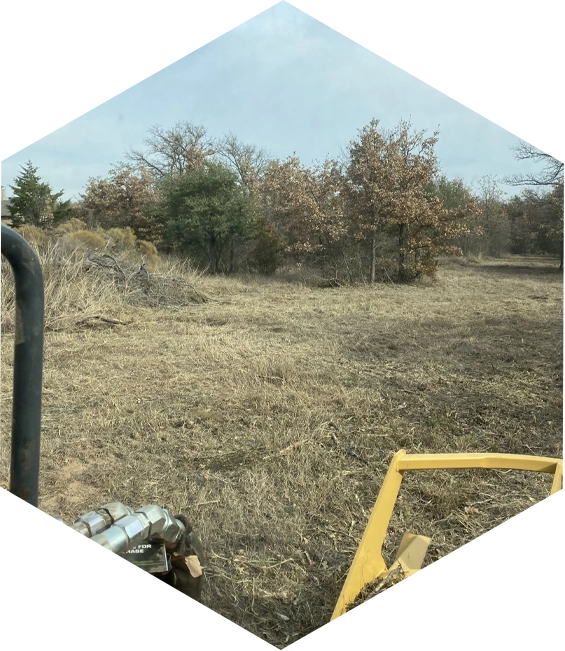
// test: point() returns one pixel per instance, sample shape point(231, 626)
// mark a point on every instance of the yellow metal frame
point(369, 564)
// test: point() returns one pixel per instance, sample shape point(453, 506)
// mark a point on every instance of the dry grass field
point(269, 416)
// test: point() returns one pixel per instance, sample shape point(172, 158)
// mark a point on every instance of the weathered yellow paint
point(493, 461)
point(557, 479)
point(411, 552)
point(369, 564)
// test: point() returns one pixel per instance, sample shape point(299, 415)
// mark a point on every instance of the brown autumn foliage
point(464, 209)
point(385, 191)
point(120, 200)
point(321, 215)
point(304, 204)
point(367, 188)
point(384, 213)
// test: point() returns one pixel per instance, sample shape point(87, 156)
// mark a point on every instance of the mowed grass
point(269, 419)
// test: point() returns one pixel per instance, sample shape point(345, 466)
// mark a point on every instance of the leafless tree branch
point(550, 175)
point(247, 161)
point(173, 151)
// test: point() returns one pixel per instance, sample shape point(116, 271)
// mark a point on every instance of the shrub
point(121, 239)
point(266, 256)
point(149, 253)
point(70, 226)
point(34, 235)
point(84, 239)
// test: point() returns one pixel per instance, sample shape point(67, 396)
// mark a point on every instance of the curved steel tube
point(28, 365)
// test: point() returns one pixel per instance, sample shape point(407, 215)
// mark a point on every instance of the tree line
point(382, 211)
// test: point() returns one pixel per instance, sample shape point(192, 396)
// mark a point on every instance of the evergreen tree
point(34, 202)
point(204, 213)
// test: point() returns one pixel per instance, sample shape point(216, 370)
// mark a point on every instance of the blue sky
point(81, 83)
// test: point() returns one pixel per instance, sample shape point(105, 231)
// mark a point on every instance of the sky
point(82, 83)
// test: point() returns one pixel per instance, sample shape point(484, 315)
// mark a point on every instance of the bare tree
point(247, 161)
point(550, 175)
point(177, 150)
point(495, 223)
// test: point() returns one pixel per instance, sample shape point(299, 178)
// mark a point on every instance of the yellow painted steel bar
point(492, 461)
point(557, 479)
point(368, 563)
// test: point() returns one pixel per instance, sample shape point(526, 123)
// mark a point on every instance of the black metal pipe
point(28, 365)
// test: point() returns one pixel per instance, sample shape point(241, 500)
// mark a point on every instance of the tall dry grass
point(269, 415)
